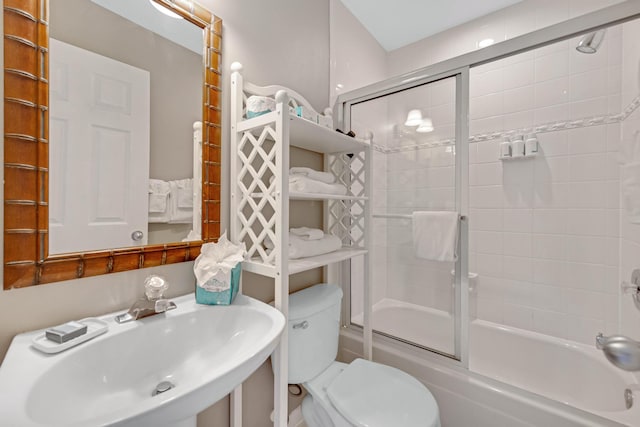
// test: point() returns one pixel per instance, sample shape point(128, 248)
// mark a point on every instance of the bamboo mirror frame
point(26, 154)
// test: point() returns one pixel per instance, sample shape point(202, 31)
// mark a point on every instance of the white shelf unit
point(260, 201)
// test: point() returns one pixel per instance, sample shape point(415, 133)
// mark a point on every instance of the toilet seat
point(368, 394)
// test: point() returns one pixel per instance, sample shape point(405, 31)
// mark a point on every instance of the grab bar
point(406, 216)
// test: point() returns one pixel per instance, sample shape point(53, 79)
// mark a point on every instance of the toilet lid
point(369, 394)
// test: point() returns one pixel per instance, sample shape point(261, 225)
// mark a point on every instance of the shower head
point(590, 43)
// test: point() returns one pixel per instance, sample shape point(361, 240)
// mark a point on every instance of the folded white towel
point(299, 248)
point(185, 193)
point(178, 215)
point(306, 233)
point(157, 203)
point(630, 183)
point(325, 177)
point(303, 184)
point(435, 235)
point(158, 200)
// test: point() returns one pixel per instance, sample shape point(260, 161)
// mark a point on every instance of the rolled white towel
point(325, 177)
point(303, 184)
point(299, 248)
point(306, 233)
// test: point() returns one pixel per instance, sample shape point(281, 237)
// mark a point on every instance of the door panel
point(99, 151)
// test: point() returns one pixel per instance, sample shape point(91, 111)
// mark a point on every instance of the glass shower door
point(419, 167)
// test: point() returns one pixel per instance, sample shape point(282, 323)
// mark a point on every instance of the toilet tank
point(314, 328)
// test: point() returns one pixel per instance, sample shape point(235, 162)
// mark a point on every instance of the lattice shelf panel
point(257, 170)
point(347, 217)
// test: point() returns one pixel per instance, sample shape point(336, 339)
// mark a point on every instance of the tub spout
point(621, 351)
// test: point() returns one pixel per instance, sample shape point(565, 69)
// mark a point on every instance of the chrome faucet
point(152, 303)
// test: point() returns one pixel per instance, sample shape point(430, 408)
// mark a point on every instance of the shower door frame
point(461, 147)
point(612, 15)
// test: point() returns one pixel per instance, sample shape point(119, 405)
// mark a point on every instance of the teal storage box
point(224, 297)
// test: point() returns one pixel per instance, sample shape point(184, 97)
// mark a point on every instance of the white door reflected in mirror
point(99, 143)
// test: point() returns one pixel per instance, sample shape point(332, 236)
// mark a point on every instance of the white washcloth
point(178, 215)
point(630, 183)
point(325, 177)
point(306, 233)
point(435, 235)
point(299, 248)
point(305, 184)
point(158, 195)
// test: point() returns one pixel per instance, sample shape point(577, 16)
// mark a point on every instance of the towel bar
point(406, 216)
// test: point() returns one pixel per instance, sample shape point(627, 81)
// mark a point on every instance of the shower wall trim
point(545, 127)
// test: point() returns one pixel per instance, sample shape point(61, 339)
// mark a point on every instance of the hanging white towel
point(185, 193)
point(305, 184)
point(325, 177)
point(435, 235)
point(306, 233)
point(178, 215)
point(158, 200)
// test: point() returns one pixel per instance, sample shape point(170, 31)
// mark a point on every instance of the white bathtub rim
point(447, 367)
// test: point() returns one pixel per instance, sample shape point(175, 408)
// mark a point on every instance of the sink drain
point(162, 387)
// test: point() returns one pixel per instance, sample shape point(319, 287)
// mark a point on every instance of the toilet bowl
point(362, 393)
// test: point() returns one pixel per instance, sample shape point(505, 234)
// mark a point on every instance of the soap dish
point(95, 327)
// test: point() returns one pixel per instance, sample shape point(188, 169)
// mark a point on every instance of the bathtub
point(515, 377)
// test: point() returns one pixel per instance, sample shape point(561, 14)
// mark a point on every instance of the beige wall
point(279, 42)
point(176, 77)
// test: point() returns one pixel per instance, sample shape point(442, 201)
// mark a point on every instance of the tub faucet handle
point(633, 287)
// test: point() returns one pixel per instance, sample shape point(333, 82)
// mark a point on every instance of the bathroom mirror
point(28, 128)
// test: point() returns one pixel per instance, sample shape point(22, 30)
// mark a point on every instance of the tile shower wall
point(544, 232)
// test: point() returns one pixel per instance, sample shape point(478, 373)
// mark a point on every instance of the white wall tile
point(518, 220)
point(518, 99)
point(518, 75)
point(489, 265)
point(590, 84)
point(587, 222)
point(552, 65)
point(488, 242)
point(587, 195)
point(587, 140)
point(517, 244)
point(551, 168)
point(586, 249)
point(518, 316)
point(587, 167)
point(517, 268)
point(553, 143)
point(550, 272)
point(549, 246)
point(550, 221)
point(485, 219)
point(552, 92)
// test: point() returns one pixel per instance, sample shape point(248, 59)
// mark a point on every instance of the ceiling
point(397, 23)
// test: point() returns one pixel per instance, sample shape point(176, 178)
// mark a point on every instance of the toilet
point(361, 393)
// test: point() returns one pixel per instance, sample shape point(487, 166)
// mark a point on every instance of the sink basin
point(203, 351)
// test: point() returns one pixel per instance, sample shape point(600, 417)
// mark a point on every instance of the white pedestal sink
point(203, 351)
